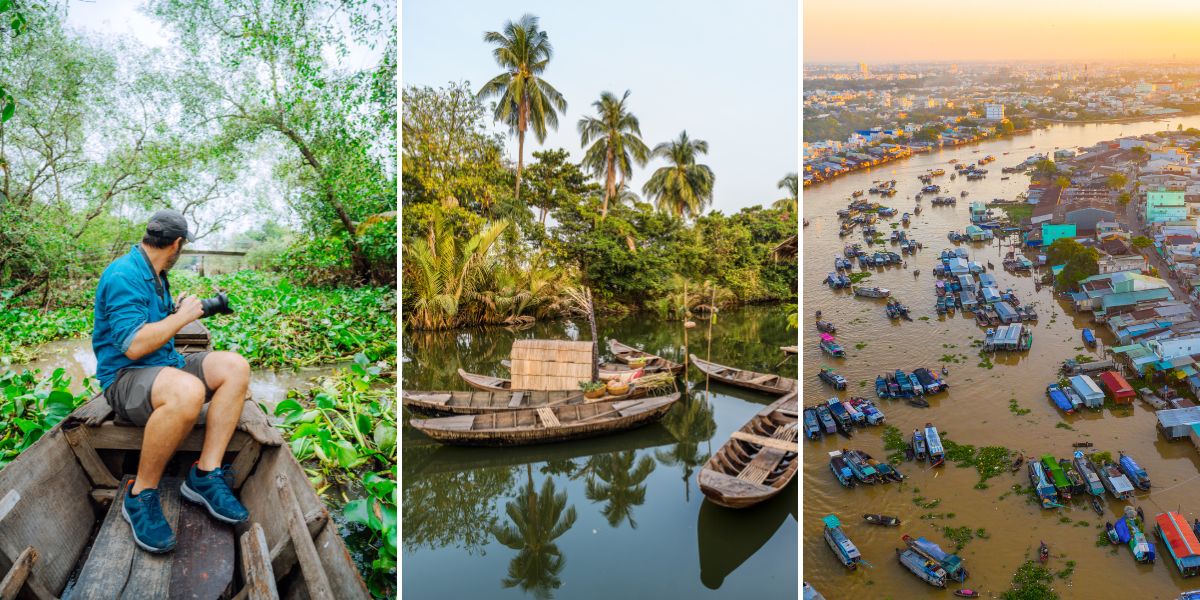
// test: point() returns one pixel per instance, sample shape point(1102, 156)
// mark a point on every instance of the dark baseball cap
point(168, 225)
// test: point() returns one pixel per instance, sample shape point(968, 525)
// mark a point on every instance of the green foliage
point(1080, 261)
point(341, 429)
point(1031, 582)
point(1141, 241)
point(22, 329)
point(1117, 181)
point(32, 404)
point(278, 323)
point(683, 188)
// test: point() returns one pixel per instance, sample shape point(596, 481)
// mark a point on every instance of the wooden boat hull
point(758, 461)
point(486, 383)
point(773, 384)
point(532, 426)
point(625, 353)
point(480, 402)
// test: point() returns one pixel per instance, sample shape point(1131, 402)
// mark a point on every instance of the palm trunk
point(610, 183)
point(520, 160)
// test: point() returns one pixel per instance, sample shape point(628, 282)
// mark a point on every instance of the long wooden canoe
point(487, 383)
point(625, 353)
point(479, 402)
point(773, 384)
point(613, 370)
point(546, 424)
point(758, 461)
point(71, 482)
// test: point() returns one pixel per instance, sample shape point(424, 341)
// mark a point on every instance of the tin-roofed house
point(1120, 389)
point(1093, 396)
point(1181, 542)
point(1176, 423)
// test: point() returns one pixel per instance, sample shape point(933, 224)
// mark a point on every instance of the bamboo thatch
point(550, 364)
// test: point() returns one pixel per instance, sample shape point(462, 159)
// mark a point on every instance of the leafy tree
point(554, 180)
point(1062, 181)
point(1117, 181)
point(616, 143)
point(1045, 168)
point(257, 71)
point(1124, 198)
point(791, 184)
point(524, 98)
point(683, 188)
point(929, 133)
point(1141, 241)
point(442, 273)
point(1080, 262)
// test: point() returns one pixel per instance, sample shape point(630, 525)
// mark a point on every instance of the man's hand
point(188, 309)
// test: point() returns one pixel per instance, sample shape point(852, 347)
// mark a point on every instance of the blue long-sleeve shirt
point(127, 299)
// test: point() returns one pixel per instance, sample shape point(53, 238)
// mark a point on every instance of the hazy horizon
point(1021, 30)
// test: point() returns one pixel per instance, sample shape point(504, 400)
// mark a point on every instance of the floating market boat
point(1089, 338)
point(826, 327)
point(882, 520)
point(841, 470)
point(1097, 506)
point(1061, 484)
point(841, 416)
point(1115, 481)
point(1056, 395)
point(1078, 486)
point(906, 387)
point(758, 460)
point(855, 415)
point(950, 563)
point(1016, 463)
point(929, 571)
point(966, 593)
point(1088, 470)
point(546, 424)
point(933, 441)
point(1111, 530)
point(812, 425)
point(772, 384)
point(1042, 486)
point(917, 402)
point(881, 387)
point(831, 347)
point(871, 413)
point(1180, 541)
point(886, 472)
point(842, 547)
point(832, 378)
point(862, 471)
point(1136, 474)
point(918, 444)
point(828, 425)
point(626, 354)
point(872, 292)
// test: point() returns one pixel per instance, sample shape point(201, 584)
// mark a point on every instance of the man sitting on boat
point(148, 383)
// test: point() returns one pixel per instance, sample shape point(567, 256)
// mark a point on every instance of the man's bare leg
point(228, 374)
point(177, 398)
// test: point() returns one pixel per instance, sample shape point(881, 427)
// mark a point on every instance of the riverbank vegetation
point(490, 242)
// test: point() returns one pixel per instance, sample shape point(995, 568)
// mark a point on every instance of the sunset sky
point(876, 31)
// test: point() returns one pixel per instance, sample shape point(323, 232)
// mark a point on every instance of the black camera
point(217, 305)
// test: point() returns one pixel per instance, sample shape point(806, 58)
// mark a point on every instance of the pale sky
point(727, 72)
point(886, 31)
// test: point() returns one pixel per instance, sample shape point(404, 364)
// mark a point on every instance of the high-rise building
point(862, 68)
point(993, 112)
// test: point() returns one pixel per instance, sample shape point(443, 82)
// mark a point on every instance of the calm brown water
point(976, 410)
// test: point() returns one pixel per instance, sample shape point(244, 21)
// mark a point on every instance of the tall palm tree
point(525, 99)
point(616, 139)
point(683, 188)
point(790, 183)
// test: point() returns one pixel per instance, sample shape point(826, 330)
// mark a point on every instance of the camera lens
point(217, 305)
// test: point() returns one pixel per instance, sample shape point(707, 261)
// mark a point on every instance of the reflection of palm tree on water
point(538, 518)
point(619, 482)
point(690, 423)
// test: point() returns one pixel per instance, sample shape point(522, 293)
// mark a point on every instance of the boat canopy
point(991, 294)
point(933, 441)
point(825, 337)
point(1181, 540)
point(987, 280)
point(952, 563)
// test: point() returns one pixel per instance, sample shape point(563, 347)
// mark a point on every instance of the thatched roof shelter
point(550, 364)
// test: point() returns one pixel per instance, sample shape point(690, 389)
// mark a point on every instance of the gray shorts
point(129, 394)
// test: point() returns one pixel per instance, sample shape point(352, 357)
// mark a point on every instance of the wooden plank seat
point(201, 565)
point(766, 442)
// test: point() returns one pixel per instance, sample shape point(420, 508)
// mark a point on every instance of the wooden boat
point(546, 424)
point(966, 593)
point(884, 520)
point(1044, 553)
point(487, 383)
point(758, 461)
point(1096, 506)
point(790, 349)
point(61, 522)
point(609, 371)
point(1016, 463)
point(479, 402)
point(625, 353)
point(774, 384)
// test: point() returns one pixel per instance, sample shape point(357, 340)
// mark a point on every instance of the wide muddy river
point(977, 408)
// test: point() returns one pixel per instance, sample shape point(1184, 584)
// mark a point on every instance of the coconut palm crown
point(525, 100)
point(682, 188)
point(616, 143)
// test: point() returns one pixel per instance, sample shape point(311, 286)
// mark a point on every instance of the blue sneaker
point(144, 514)
point(212, 492)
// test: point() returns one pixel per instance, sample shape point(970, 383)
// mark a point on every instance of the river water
point(976, 410)
point(641, 527)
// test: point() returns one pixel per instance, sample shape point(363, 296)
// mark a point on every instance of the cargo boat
point(845, 550)
point(1056, 476)
point(841, 470)
point(1088, 470)
point(1136, 474)
point(933, 441)
point(926, 569)
point(1041, 485)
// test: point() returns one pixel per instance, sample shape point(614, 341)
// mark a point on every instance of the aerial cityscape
point(1002, 316)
